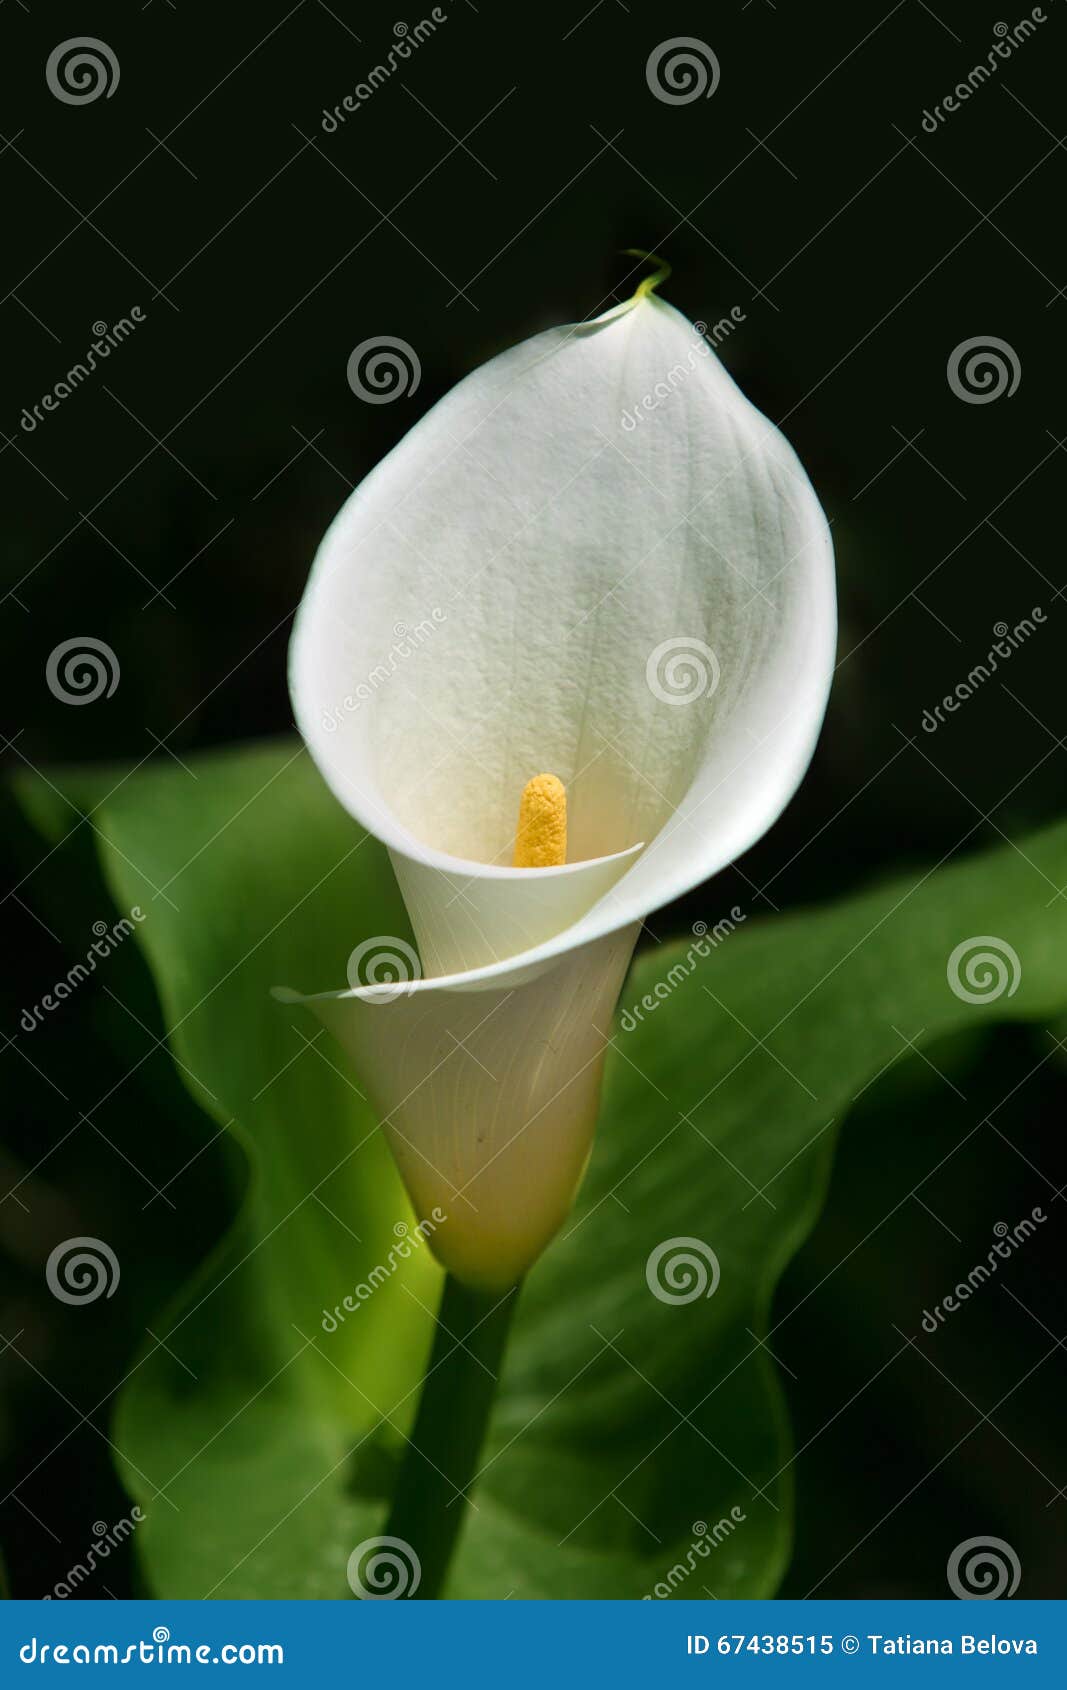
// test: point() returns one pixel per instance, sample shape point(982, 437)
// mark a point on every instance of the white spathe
point(593, 557)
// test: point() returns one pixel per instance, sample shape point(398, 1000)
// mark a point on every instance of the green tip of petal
point(660, 274)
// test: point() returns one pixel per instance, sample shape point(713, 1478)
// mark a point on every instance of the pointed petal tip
point(648, 284)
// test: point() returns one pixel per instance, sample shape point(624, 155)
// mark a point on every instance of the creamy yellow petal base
point(489, 1100)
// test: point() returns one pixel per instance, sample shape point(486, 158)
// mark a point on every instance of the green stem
point(457, 1393)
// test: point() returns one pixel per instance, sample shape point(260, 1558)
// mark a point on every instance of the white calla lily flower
point(595, 558)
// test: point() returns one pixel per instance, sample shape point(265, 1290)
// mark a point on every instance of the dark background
point(171, 506)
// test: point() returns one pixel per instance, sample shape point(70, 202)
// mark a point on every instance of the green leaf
point(247, 873)
point(627, 1427)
